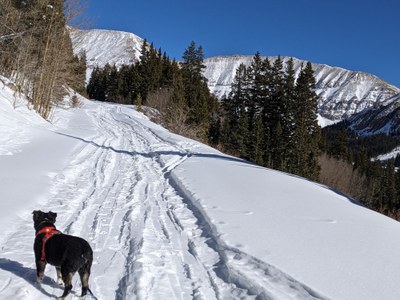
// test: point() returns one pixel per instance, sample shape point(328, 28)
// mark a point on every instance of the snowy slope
point(106, 46)
point(170, 218)
point(384, 118)
point(342, 92)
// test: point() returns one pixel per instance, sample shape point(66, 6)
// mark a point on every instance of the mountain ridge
point(342, 92)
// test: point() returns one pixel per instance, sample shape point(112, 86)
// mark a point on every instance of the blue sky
point(359, 35)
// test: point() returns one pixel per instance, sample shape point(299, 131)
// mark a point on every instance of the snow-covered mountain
point(383, 118)
point(106, 46)
point(342, 92)
point(170, 218)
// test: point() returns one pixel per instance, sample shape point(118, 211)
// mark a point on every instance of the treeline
point(270, 118)
point(36, 51)
point(178, 91)
point(350, 167)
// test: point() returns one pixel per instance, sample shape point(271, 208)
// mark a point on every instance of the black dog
point(67, 253)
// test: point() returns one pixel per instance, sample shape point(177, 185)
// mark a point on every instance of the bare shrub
point(75, 102)
point(172, 115)
point(159, 99)
point(341, 176)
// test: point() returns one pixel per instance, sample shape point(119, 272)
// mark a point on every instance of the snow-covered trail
point(148, 242)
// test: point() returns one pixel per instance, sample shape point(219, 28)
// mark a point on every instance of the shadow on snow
point(244, 163)
point(27, 274)
point(158, 153)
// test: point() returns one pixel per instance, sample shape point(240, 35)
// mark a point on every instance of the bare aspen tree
point(36, 50)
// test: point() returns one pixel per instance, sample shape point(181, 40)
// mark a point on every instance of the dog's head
point(40, 217)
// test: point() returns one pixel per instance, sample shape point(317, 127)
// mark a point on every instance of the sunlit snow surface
point(170, 218)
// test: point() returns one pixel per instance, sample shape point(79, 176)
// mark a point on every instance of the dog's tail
point(87, 257)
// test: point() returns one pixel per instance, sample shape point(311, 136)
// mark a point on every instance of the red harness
point(49, 232)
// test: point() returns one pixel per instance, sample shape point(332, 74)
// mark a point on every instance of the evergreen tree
point(282, 130)
point(234, 107)
point(277, 114)
point(240, 133)
point(256, 87)
point(256, 143)
point(397, 182)
point(97, 85)
point(289, 122)
point(199, 101)
point(307, 131)
point(339, 147)
point(389, 187)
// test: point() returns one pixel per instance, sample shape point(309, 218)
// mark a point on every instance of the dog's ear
point(36, 214)
point(53, 216)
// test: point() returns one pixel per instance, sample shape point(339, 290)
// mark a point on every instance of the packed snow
point(170, 218)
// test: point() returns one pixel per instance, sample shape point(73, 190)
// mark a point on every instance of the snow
point(323, 122)
point(391, 155)
point(170, 218)
point(106, 47)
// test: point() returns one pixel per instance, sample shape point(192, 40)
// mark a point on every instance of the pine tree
point(234, 107)
point(307, 132)
point(276, 114)
point(199, 101)
point(289, 119)
point(256, 143)
point(389, 192)
point(397, 182)
point(240, 133)
point(256, 87)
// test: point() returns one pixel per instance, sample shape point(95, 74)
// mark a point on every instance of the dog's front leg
point(40, 266)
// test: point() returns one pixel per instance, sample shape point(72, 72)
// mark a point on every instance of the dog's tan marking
point(40, 267)
point(59, 276)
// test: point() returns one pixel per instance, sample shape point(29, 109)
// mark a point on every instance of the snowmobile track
point(149, 240)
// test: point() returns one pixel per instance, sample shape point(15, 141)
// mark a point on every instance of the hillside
point(170, 218)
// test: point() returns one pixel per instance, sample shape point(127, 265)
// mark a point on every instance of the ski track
point(149, 241)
